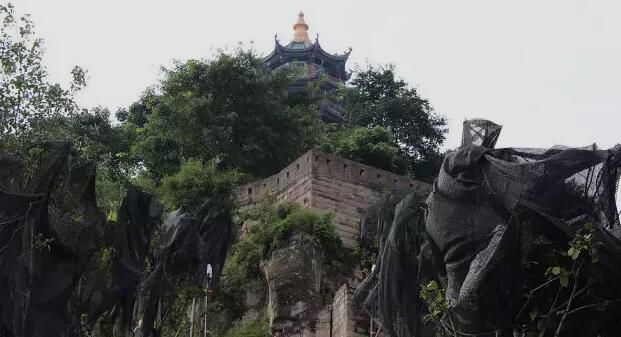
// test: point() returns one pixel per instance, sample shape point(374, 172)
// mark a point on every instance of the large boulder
point(294, 276)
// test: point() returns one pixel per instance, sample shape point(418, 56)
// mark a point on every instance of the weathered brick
point(329, 183)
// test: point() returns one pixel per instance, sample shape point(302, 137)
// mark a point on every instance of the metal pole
point(192, 318)
point(205, 318)
point(206, 299)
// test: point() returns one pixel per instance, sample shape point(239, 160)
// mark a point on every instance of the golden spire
point(301, 30)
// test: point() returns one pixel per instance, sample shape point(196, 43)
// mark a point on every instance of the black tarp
point(489, 214)
point(190, 241)
point(49, 222)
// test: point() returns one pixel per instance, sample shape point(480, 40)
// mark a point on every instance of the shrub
point(195, 182)
point(271, 223)
point(374, 146)
point(258, 328)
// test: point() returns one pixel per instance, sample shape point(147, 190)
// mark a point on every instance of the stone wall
point(329, 183)
point(347, 321)
point(341, 324)
point(324, 323)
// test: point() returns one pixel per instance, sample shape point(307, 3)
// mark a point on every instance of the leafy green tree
point(375, 97)
point(33, 110)
point(26, 95)
point(194, 181)
point(227, 108)
point(94, 139)
point(372, 146)
point(138, 111)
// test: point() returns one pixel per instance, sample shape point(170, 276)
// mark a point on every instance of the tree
point(194, 181)
point(376, 98)
point(33, 110)
point(139, 111)
point(95, 140)
point(26, 96)
point(371, 146)
point(227, 108)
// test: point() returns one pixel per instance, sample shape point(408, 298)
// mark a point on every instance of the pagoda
point(314, 65)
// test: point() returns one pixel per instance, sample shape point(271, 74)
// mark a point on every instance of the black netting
point(480, 132)
point(490, 212)
point(190, 241)
point(48, 227)
point(113, 294)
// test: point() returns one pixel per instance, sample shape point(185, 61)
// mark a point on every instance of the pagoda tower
point(315, 65)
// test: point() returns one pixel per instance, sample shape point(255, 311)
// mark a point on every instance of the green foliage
point(177, 318)
point(376, 97)
point(567, 288)
point(26, 95)
point(225, 108)
point(177, 321)
point(139, 111)
point(110, 192)
point(95, 140)
point(33, 110)
point(269, 224)
point(570, 286)
point(373, 146)
point(85, 328)
point(257, 328)
point(365, 254)
point(41, 243)
point(194, 181)
point(435, 300)
point(584, 241)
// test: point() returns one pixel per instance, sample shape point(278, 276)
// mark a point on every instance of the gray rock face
point(254, 300)
point(294, 275)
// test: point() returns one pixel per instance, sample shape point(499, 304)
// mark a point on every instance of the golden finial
point(301, 30)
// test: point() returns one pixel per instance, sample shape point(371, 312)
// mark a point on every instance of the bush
point(195, 182)
point(374, 146)
point(271, 223)
point(258, 328)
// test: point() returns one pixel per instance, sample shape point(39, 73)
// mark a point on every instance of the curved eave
point(313, 48)
point(314, 51)
point(334, 57)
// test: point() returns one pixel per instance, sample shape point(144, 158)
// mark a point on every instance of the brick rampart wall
point(329, 183)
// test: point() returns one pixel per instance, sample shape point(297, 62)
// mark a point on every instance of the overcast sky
point(549, 71)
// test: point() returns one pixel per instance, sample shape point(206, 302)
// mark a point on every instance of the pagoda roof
point(306, 48)
point(302, 48)
point(306, 51)
point(301, 45)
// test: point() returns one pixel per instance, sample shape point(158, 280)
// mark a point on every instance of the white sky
point(548, 70)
